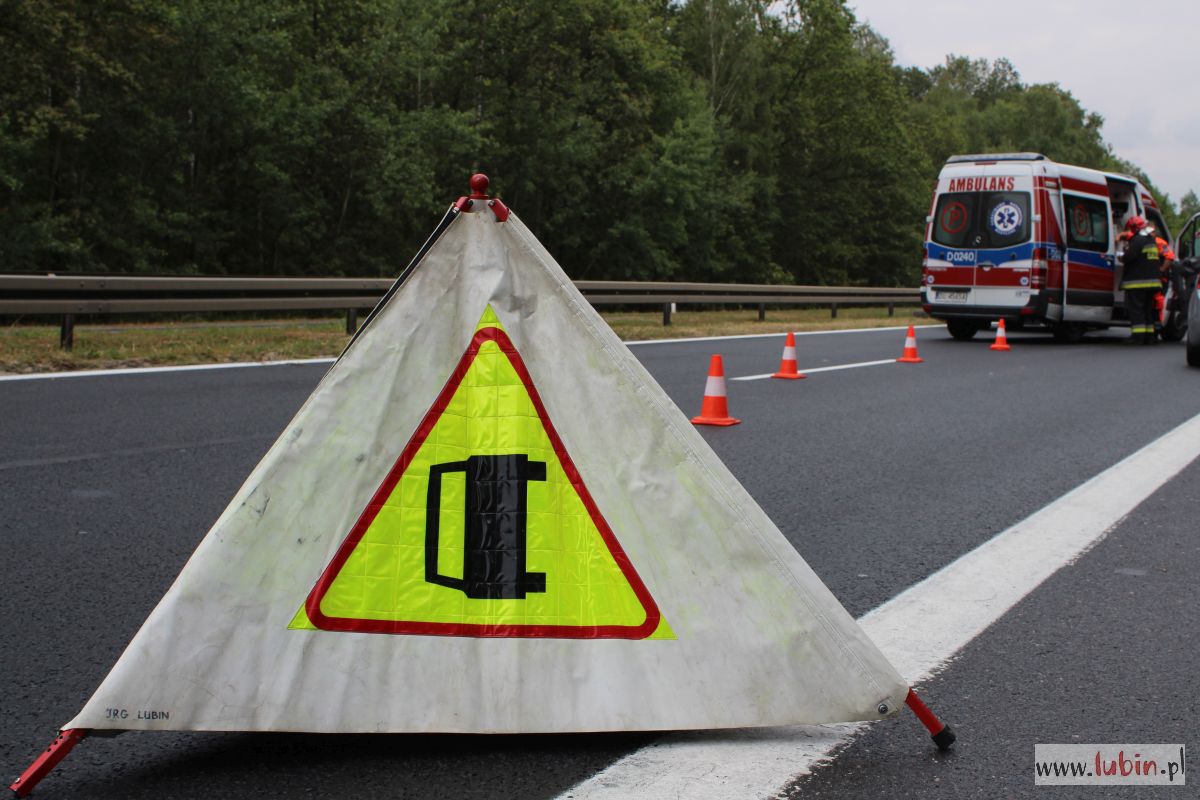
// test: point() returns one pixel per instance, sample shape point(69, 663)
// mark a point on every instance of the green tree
point(731, 46)
point(1045, 119)
point(591, 124)
point(851, 199)
point(1189, 204)
point(66, 70)
point(312, 144)
point(728, 140)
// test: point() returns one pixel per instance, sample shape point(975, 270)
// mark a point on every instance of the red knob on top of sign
point(479, 186)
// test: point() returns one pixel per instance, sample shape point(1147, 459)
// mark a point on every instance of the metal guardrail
point(25, 294)
point(117, 294)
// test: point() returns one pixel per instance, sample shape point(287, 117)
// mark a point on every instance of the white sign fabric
point(751, 635)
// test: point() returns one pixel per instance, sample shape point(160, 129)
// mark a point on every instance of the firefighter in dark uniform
point(1141, 280)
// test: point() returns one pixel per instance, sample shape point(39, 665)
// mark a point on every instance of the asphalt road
point(878, 475)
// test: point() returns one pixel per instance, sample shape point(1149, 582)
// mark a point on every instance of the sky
point(1137, 64)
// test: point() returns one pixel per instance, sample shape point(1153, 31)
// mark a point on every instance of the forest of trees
point(721, 140)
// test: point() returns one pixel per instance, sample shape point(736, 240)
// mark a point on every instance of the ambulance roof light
point(996, 157)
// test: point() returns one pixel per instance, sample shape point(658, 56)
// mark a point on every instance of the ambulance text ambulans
point(1018, 237)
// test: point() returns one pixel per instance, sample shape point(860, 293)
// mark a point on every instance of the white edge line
point(812, 370)
point(978, 588)
point(964, 597)
point(91, 373)
point(780, 333)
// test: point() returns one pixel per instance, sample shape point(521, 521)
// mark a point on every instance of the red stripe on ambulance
point(1085, 187)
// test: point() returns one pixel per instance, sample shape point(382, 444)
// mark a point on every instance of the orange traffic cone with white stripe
point(1001, 342)
point(787, 364)
point(715, 410)
point(910, 348)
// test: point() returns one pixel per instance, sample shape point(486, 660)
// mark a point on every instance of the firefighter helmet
point(1134, 224)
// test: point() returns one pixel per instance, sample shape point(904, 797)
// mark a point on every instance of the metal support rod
point(47, 761)
point(351, 321)
point(66, 333)
point(762, 311)
point(891, 309)
point(452, 214)
point(833, 310)
point(941, 733)
point(666, 314)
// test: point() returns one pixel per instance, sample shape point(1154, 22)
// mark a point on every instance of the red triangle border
point(352, 625)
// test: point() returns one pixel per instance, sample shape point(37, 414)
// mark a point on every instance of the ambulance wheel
point(962, 329)
point(1068, 332)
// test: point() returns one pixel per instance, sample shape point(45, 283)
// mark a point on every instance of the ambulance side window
point(1159, 224)
point(952, 219)
point(1187, 241)
point(1006, 219)
point(1087, 224)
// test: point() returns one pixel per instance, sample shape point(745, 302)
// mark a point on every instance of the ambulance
point(1018, 237)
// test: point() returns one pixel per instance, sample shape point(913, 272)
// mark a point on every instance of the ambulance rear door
point(1005, 248)
point(950, 249)
point(1088, 268)
point(980, 250)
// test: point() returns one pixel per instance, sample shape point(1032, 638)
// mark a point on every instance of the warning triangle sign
point(483, 526)
point(486, 502)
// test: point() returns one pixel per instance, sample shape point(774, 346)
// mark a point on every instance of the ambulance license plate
point(952, 296)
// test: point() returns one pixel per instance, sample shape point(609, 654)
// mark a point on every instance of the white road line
point(774, 335)
point(88, 373)
point(811, 370)
point(964, 598)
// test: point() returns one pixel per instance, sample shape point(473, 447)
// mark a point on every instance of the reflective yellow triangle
point(484, 527)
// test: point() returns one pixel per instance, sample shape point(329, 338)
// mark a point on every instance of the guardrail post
point(66, 333)
point(351, 321)
point(833, 310)
point(762, 311)
point(891, 309)
point(666, 313)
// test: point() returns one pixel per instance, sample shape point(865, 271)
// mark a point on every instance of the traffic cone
point(787, 365)
point(1001, 342)
point(715, 409)
point(910, 348)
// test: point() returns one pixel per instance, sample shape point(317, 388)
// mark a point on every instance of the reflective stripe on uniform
point(1141, 284)
point(1142, 329)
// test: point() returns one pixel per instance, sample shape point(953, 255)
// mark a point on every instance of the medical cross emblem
point(1006, 218)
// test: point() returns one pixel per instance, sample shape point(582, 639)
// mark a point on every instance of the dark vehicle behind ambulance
point(1187, 273)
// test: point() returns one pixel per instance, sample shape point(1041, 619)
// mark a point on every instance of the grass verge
point(34, 348)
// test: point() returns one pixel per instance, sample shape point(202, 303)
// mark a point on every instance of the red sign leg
point(943, 734)
point(47, 761)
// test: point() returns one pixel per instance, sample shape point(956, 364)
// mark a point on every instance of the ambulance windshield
point(981, 219)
